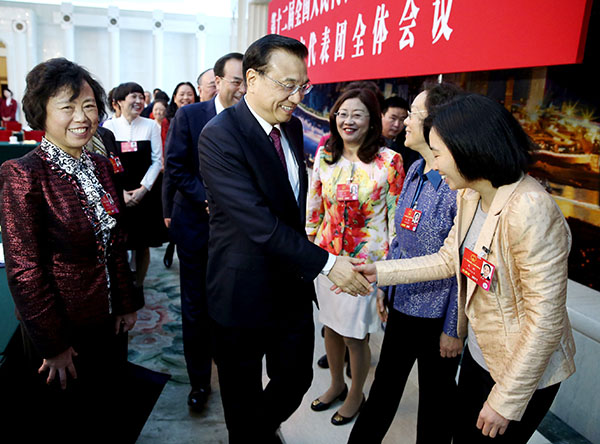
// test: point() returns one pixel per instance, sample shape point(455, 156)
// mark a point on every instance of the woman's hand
point(382, 306)
point(139, 193)
point(490, 422)
point(125, 322)
point(62, 364)
point(369, 271)
point(128, 198)
point(450, 347)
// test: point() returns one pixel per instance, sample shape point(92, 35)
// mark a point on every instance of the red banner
point(369, 39)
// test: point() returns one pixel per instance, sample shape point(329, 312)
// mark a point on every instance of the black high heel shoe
point(318, 406)
point(338, 419)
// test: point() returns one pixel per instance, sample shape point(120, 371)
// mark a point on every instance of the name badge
point(109, 204)
point(128, 147)
point(116, 164)
point(411, 219)
point(477, 269)
point(347, 192)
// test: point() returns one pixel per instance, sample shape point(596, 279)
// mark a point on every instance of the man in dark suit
point(189, 219)
point(261, 265)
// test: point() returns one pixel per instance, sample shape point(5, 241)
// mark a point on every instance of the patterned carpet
point(156, 341)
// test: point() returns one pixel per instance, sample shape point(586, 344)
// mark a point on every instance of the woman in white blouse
point(140, 153)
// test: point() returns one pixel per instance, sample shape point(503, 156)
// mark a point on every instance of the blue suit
point(184, 196)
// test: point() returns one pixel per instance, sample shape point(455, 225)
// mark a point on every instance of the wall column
point(258, 20)
point(158, 49)
point(66, 24)
point(115, 47)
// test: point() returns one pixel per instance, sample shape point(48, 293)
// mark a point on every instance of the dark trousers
point(407, 339)
point(474, 386)
point(253, 414)
point(194, 314)
point(93, 408)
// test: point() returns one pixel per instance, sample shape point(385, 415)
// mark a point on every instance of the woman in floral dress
point(350, 211)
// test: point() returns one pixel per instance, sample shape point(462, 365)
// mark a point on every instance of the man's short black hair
point(258, 53)
point(219, 67)
point(394, 102)
point(51, 77)
point(485, 139)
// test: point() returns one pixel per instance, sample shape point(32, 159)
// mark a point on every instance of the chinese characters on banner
point(367, 39)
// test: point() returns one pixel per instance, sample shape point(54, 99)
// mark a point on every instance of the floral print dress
point(359, 228)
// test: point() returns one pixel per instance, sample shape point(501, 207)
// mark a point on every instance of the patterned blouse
point(431, 195)
point(358, 228)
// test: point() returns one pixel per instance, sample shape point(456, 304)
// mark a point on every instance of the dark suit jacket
point(183, 190)
point(261, 266)
point(54, 275)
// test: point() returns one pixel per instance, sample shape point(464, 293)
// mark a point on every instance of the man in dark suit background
point(261, 265)
point(189, 219)
point(393, 114)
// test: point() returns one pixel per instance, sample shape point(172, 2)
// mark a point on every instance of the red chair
point(33, 135)
point(5, 135)
point(13, 126)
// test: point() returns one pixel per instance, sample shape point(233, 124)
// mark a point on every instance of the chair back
point(5, 135)
point(13, 126)
point(33, 135)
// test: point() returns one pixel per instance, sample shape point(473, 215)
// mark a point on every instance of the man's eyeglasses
point(290, 89)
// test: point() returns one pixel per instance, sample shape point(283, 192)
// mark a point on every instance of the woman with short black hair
point(140, 151)
point(520, 345)
point(66, 263)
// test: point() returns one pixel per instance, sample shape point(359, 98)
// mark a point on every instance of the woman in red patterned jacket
point(66, 265)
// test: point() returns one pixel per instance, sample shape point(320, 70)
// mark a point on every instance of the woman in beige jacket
point(520, 345)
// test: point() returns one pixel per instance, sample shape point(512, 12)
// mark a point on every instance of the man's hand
point(490, 422)
point(167, 222)
point(450, 347)
point(348, 280)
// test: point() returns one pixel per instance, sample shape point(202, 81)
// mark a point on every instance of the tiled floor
point(171, 422)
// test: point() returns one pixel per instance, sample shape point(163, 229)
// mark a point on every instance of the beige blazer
point(521, 324)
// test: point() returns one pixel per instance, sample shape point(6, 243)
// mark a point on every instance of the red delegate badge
point(347, 192)
point(116, 164)
point(477, 269)
point(109, 204)
point(411, 219)
point(128, 147)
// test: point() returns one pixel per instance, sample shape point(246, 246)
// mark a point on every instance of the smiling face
point(132, 105)
point(352, 122)
point(159, 111)
point(269, 99)
point(444, 163)
point(184, 96)
point(70, 124)
point(231, 86)
point(414, 123)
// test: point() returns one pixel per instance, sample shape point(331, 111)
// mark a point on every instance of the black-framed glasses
point(291, 89)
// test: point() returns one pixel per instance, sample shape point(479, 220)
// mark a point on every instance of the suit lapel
point(269, 163)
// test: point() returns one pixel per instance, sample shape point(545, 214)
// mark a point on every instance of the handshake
point(352, 276)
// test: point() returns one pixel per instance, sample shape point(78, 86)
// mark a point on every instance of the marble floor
point(171, 421)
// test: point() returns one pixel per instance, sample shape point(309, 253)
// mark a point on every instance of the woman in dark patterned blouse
point(66, 265)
